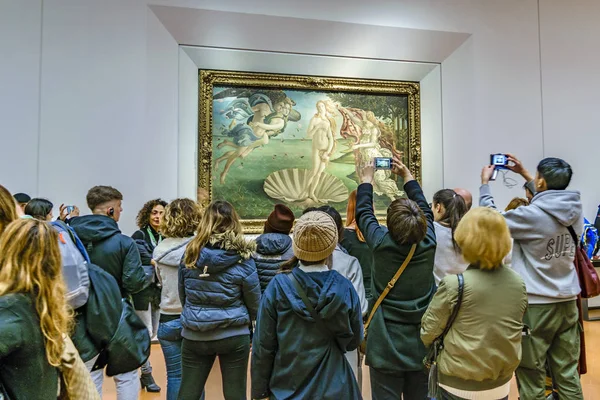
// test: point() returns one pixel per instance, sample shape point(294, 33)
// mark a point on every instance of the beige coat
point(483, 347)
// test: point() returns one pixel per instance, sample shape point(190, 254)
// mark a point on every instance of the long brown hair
point(219, 217)
point(351, 216)
point(30, 263)
point(8, 209)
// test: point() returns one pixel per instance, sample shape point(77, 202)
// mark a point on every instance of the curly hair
point(30, 263)
point(181, 219)
point(143, 217)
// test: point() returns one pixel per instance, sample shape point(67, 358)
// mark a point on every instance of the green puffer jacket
point(483, 347)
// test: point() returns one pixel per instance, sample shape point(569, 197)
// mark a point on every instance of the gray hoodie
point(543, 250)
point(168, 255)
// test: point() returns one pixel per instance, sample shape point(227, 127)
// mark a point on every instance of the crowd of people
point(308, 307)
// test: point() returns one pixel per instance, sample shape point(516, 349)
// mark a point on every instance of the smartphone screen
point(383, 163)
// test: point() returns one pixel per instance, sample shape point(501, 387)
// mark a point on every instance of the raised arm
point(365, 215)
point(485, 194)
point(413, 191)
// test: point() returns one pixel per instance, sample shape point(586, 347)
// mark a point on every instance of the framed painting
point(298, 140)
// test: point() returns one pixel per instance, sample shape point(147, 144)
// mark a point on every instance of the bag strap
point(461, 289)
point(573, 235)
point(390, 285)
point(326, 332)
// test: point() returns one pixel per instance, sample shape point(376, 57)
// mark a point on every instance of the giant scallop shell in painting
point(289, 185)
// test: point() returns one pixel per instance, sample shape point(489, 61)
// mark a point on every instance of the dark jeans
point(197, 359)
point(169, 337)
point(448, 396)
point(411, 384)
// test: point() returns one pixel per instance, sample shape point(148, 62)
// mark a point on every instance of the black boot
point(148, 383)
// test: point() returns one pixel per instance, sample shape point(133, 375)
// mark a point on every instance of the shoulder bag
point(588, 278)
point(590, 287)
point(390, 286)
point(75, 381)
point(324, 330)
point(438, 344)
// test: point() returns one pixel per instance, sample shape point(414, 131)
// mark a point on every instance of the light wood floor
point(590, 381)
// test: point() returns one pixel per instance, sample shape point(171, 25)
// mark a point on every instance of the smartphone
point(500, 161)
point(383, 163)
point(69, 209)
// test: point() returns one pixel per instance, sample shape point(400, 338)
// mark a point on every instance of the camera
point(500, 161)
point(70, 209)
point(383, 163)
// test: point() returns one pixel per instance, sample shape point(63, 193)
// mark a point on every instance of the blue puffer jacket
point(221, 295)
point(272, 250)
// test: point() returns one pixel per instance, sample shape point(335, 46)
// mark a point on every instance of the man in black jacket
point(118, 255)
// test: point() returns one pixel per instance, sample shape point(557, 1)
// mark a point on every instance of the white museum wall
point(188, 127)
point(20, 40)
point(110, 88)
point(571, 90)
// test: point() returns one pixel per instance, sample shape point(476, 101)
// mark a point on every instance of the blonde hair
point(483, 237)
point(219, 217)
point(30, 263)
point(8, 209)
point(181, 219)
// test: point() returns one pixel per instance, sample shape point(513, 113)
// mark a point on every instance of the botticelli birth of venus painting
point(299, 140)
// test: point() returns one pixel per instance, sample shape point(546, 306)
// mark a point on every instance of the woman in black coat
point(146, 302)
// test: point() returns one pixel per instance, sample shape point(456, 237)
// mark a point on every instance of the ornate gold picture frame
point(265, 139)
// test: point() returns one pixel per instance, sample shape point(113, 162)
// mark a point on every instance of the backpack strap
point(390, 285)
point(326, 332)
point(74, 238)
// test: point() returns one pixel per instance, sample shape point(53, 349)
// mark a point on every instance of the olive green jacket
point(483, 347)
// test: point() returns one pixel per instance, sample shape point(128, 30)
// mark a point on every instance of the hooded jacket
point(168, 255)
point(114, 252)
point(220, 296)
point(291, 357)
point(272, 250)
point(543, 250)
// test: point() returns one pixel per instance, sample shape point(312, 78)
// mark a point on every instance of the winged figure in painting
point(256, 116)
